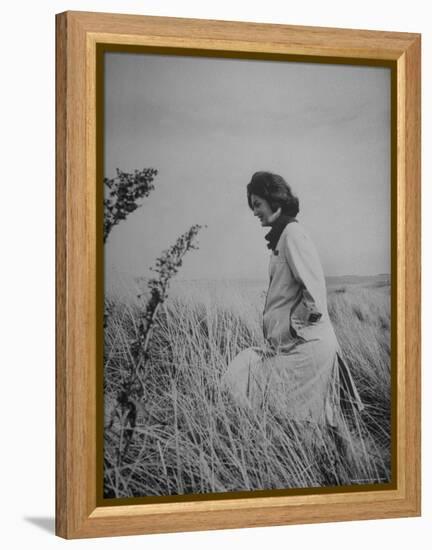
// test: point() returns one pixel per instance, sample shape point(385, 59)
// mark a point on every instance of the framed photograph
point(238, 274)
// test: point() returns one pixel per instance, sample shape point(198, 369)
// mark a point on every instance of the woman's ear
point(275, 215)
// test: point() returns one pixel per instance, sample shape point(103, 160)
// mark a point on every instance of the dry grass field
point(189, 437)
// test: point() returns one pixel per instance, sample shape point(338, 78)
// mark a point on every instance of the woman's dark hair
point(275, 190)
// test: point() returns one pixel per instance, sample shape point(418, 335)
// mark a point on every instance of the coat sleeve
point(305, 265)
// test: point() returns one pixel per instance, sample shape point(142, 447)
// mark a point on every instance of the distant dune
point(358, 279)
point(381, 281)
point(253, 290)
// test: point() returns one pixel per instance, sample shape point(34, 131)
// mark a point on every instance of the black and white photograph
point(247, 275)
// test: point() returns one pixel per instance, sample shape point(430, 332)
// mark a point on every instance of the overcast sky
point(208, 124)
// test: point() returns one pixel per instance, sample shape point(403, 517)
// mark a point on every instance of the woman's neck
point(277, 227)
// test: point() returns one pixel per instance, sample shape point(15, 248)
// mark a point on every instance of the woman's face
point(262, 210)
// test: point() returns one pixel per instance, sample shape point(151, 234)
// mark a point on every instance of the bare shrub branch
point(122, 194)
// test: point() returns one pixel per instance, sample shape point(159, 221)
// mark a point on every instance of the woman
point(300, 371)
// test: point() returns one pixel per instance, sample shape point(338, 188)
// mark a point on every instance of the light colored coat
point(300, 371)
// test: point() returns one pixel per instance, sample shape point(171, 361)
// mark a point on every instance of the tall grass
point(190, 437)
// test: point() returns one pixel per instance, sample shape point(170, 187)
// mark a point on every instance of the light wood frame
point(77, 512)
